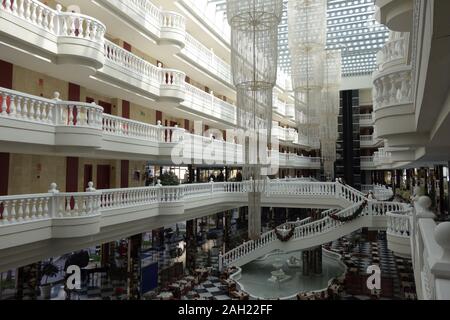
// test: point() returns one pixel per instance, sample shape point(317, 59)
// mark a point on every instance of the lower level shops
point(181, 262)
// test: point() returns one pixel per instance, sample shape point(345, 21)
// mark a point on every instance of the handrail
point(308, 228)
point(13, 206)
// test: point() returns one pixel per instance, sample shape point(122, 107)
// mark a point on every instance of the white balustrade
point(131, 62)
point(66, 24)
point(16, 209)
point(393, 89)
point(367, 139)
point(382, 157)
point(124, 127)
point(199, 53)
point(69, 205)
point(398, 223)
point(172, 20)
point(395, 49)
point(25, 107)
point(207, 103)
point(24, 208)
point(366, 118)
point(431, 258)
point(307, 228)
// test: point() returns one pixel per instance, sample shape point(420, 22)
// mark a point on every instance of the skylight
point(351, 27)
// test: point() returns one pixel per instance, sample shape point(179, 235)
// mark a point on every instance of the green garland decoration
point(355, 215)
point(287, 237)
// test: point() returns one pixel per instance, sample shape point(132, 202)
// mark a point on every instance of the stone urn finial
point(90, 187)
point(442, 237)
point(53, 188)
point(56, 95)
point(423, 205)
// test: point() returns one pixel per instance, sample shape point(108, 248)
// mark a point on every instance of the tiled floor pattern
point(366, 254)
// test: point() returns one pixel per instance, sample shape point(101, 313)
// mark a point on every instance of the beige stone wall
point(29, 174)
point(136, 166)
point(34, 173)
point(38, 84)
point(142, 114)
point(365, 97)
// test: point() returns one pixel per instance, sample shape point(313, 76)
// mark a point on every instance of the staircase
point(308, 233)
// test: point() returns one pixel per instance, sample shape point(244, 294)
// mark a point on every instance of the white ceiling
point(351, 27)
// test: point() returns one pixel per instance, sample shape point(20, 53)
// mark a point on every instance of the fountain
point(294, 262)
point(278, 276)
point(272, 276)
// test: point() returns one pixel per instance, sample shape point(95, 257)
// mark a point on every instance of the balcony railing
point(296, 161)
point(369, 140)
point(206, 103)
point(162, 24)
point(199, 53)
point(366, 119)
point(382, 157)
point(160, 77)
point(56, 22)
point(20, 106)
point(285, 134)
point(395, 51)
point(367, 163)
point(393, 82)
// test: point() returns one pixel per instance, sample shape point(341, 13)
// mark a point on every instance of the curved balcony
point(399, 232)
point(163, 27)
point(47, 123)
point(395, 51)
point(392, 91)
point(166, 84)
point(70, 38)
point(173, 28)
point(395, 14)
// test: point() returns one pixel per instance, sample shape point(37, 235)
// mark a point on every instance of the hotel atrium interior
point(224, 150)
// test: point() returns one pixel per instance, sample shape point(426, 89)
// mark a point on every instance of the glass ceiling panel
point(351, 27)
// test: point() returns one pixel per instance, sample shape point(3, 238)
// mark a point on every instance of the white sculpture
point(423, 205)
point(417, 192)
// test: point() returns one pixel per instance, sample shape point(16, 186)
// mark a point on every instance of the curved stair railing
point(307, 228)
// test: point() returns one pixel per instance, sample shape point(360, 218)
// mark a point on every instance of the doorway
point(103, 177)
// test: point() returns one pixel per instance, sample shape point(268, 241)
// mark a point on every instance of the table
point(165, 295)
point(192, 294)
point(240, 295)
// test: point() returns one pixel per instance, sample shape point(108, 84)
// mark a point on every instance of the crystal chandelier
point(254, 58)
point(307, 40)
point(330, 111)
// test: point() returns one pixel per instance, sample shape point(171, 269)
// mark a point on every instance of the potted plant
point(169, 179)
point(49, 270)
